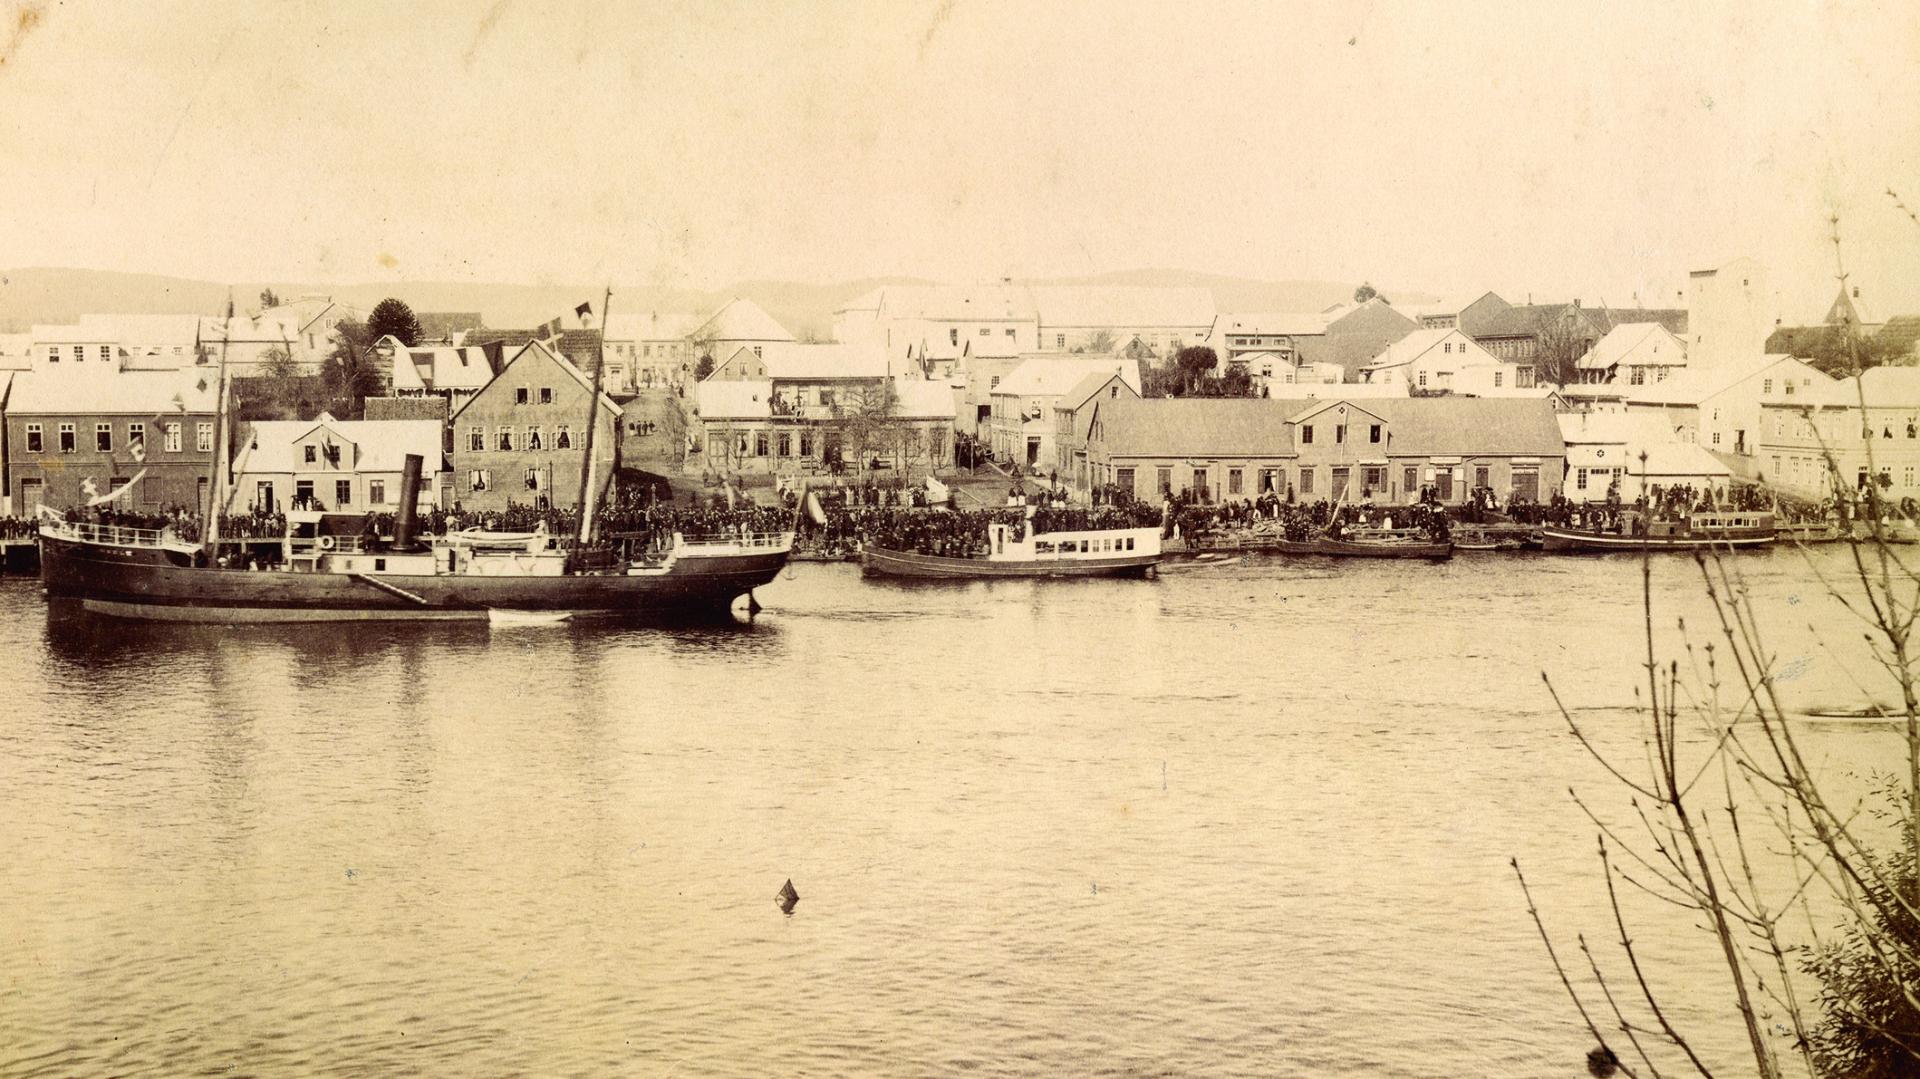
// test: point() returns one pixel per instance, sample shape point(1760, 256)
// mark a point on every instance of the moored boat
point(1717, 529)
point(1113, 552)
point(1382, 548)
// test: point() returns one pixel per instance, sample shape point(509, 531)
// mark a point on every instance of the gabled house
point(523, 437)
point(1022, 404)
point(1720, 408)
point(1073, 415)
point(1633, 354)
point(455, 372)
point(1446, 361)
point(739, 323)
point(345, 466)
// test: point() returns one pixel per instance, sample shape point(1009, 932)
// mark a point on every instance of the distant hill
point(50, 295)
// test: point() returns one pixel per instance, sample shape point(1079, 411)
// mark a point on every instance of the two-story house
point(523, 438)
point(1022, 422)
point(73, 437)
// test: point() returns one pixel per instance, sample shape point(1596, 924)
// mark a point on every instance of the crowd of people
point(1298, 522)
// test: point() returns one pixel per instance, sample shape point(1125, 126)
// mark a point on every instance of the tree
point(704, 368)
point(1842, 351)
point(1367, 292)
point(351, 372)
point(390, 316)
point(269, 298)
point(1195, 362)
point(1101, 341)
point(1560, 339)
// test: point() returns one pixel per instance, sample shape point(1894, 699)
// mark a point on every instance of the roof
point(1523, 320)
point(1196, 427)
point(748, 399)
point(1901, 332)
point(535, 348)
point(441, 367)
point(1693, 386)
point(652, 326)
point(1288, 323)
point(1627, 337)
point(742, 320)
point(791, 360)
point(1091, 383)
point(75, 332)
point(407, 408)
point(1123, 305)
point(382, 445)
point(148, 329)
point(106, 391)
point(1419, 343)
point(1052, 374)
point(916, 398)
point(950, 303)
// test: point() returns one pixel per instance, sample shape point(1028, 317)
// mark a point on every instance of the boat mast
point(211, 541)
point(593, 420)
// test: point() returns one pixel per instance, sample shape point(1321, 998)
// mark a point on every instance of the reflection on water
point(1252, 818)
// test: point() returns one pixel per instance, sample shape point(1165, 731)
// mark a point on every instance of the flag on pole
point(583, 313)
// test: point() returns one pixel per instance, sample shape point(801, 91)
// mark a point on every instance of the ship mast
point(210, 543)
point(593, 421)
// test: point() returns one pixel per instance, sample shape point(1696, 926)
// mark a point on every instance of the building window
point(806, 444)
point(376, 492)
point(533, 438)
point(479, 479)
point(759, 443)
point(1165, 476)
point(310, 453)
point(1373, 434)
point(106, 353)
point(1423, 380)
point(66, 438)
point(953, 335)
point(103, 437)
point(1480, 476)
point(303, 494)
point(562, 438)
point(1716, 438)
point(35, 438)
point(1497, 377)
point(1009, 331)
point(1375, 477)
point(1306, 481)
point(137, 439)
point(1766, 385)
point(1059, 340)
point(1233, 481)
point(756, 354)
point(476, 439)
point(1306, 435)
point(203, 437)
point(1410, 480)
point(173, 434)
point(1579, 479)
point(984, 331)
point(520, 396)
point(53, 353)
point(546, 392)
point(506, 439)
point(342, 494)
point(1339, 434)
point(785, 444)
point(1447, 347)
point(995, 383)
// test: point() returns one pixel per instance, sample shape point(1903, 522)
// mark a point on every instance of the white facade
point(346, 466)
point(1444, 360)
point(1720, 409)
point(1730, 312)
point(1604, 449)
point(1634, 354)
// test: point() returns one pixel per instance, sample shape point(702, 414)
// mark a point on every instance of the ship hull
point(1361, 549)
point(1557, 539)
point(161, 585)
point(882, 562)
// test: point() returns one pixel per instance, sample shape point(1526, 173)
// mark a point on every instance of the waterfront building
point(1441, 361)
point(342, 466)
point(1719, 407)
point(1023, 425)
point(523, 437)
point(71, 437)
point(1383, 450)
point(765, 427)
point(1869, 427)
point(1605, 448)
point(1072, 416)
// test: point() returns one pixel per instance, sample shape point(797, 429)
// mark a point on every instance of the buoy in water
point(787, 897)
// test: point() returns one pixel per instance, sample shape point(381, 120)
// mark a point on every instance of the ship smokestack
point(403, 519)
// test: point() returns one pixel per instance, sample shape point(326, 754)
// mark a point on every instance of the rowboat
point(1382, 548)
point(1718, 530)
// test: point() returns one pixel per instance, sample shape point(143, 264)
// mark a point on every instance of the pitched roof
point(747, 399)
point(381, 445)
point(47, 392)
point(1196, 427)
point(951, 303)
point(1625, 338)
point(1692, 387)
point(442, 367)
point(1901, 332)
point(1419, 343)
point(433, 408)
point(791, 360)
point(1090, 383)
point(444, 325)
point(652, 326)
point(147, 329)
point(536, 350)
point(919, 399)
point(1123, 305)
point(1289, 323)
point(741, 319)
point(1055, 373)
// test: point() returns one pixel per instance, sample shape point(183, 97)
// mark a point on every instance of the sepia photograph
point(960, 537)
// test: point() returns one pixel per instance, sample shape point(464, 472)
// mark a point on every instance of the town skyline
point(1603, 157)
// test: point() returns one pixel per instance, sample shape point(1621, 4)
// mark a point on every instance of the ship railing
point(762, 541)
point(117, 535)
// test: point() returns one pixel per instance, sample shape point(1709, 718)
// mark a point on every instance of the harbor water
point(1247, 819)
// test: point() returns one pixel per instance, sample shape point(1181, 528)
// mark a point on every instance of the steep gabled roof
point(1055, 373)
point(1626, 338)
point(534, 351)
point(741, 319)
point(1419, 343)
point(382, 445)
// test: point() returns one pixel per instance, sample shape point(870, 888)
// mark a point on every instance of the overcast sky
point(1598, 151)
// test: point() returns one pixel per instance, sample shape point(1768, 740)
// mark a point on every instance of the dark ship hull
point(163, 584)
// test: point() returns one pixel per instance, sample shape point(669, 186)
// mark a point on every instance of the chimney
point(403, 516)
